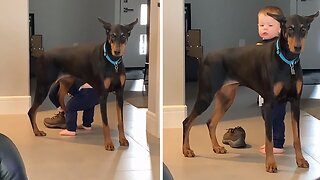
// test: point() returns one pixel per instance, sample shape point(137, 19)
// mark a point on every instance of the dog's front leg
point(106, 129)
point(295, 118)
point(122, 138)
point(267, 114)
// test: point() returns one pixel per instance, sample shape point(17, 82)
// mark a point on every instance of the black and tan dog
point(98, 64)
point(273, 70)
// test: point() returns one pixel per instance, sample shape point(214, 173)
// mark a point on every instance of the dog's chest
point(114, 79)
point(289, 88)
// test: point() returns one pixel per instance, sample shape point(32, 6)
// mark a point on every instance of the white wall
point(154, 92)
point(14, 57)
point(223, 23)
point(174, 109)
point(65, 23)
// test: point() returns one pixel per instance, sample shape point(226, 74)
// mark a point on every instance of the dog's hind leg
point(40, 95)
point(295, 115)
point(210, 81)
point(203, 101)
point(223, 100)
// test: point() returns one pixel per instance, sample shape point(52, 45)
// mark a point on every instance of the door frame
point(117, 17)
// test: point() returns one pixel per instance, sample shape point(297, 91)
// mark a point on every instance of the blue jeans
point(279, 113)
point(84, 101)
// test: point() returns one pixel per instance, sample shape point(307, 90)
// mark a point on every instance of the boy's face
point(268, 27)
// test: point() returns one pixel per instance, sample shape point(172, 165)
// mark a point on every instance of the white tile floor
point(84, 157)
point(247, 163)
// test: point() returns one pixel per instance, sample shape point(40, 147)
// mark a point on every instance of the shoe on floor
point(275, 150)
point(235, 137)
point(57, 121)
point(82, 127)
point(67, 133)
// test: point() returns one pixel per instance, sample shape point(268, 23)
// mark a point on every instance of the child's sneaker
point(235, 137)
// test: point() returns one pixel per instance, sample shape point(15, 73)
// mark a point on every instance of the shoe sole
point(239, 143)
point(56, 126)
point(84, 128)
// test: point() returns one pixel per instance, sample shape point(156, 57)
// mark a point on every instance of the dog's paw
point(219, 150)
point(109, 146)
point(124, 142)
point(302, 163)
point(188, 153)
point(271, 167)
point(40, 133)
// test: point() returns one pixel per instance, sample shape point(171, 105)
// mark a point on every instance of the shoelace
point(233, 129)
point(56, 116)
point(230, 130)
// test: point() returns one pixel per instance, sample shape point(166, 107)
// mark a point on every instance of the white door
point(135, 55)
point(310, 56)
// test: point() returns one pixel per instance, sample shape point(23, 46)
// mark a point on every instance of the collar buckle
point(115, 63)
point(290, 62)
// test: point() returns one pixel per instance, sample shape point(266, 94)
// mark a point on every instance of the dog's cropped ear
point(280, 18)
point(107, 26)
point(311, 18)
point(130, 26)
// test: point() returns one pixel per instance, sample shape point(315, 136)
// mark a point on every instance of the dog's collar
point(106, 55)
point(291, 62)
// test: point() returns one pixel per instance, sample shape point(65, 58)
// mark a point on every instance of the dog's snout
point(117, 53)
point(297, 48)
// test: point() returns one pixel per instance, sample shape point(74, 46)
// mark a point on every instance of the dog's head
point(294, 29)
point(117, 36)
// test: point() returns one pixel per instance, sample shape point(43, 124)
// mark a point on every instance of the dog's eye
point(123, 36)
point(303, 29)
point(113, 36)
point(290, 28)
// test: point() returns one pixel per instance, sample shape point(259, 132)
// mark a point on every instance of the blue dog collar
point(291, 63)
point(106, 55)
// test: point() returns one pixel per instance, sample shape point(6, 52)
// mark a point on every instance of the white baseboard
point(153, 124)
point(14, 104)
point(173, 116)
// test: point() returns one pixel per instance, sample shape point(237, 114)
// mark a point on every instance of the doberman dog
point(273, 70)
point(100, 65)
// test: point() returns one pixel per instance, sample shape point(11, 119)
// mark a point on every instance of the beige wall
point(65, 23)
point(154, 97)
point(14, 57)
point(229, 26)
point(174, 109)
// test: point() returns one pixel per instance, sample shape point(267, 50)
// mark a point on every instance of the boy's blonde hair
point(270, 9)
